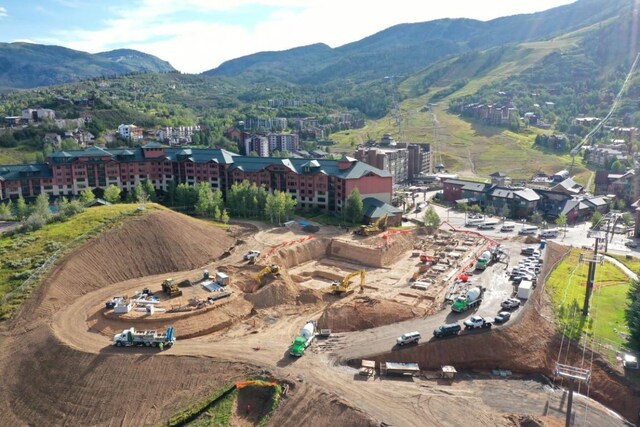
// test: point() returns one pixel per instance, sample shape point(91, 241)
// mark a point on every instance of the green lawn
point(632, 264)
point(606, 320)
point(23, 253)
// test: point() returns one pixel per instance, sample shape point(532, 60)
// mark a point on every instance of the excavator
point(342, 288)
point(376, 227)
point(270, 270)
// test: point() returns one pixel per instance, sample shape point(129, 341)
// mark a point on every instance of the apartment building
point(316, 184)
point(403, 161)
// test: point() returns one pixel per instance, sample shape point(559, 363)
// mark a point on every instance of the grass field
point(632, 264)
point(567, 284)
point(23, 254)
point(218, 415)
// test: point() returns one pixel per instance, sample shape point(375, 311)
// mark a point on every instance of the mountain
point(25, 65)
point(406, 48)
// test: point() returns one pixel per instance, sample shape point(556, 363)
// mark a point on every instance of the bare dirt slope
point(47, 383)
point(158, 242)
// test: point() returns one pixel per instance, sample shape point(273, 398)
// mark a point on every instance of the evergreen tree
point(632, 315)
point(505, 211)
point(596, 218)
point(561, 222)
point(431, 218)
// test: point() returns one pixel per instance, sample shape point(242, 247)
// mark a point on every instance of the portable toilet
point(543, 243)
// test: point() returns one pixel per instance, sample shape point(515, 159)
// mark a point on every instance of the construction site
point(236, 299)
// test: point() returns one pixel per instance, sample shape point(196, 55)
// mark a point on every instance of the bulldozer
point(170, 288)
point(342, 288)
point(376, 227)
point(270, 270)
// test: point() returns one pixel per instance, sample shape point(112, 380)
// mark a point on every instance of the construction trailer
point(401, 369)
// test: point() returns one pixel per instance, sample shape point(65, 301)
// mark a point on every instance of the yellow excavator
point(376, 227)
point(270, 270)
point(342, 288)
point(171, 288)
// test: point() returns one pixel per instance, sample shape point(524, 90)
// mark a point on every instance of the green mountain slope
point(407, 48)
point(25, 65)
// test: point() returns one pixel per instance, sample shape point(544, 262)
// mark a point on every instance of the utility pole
point(572, 374)
point(592, 270)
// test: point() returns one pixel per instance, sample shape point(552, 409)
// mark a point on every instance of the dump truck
point(131, 337)
point(471, 299)
point(304, 339)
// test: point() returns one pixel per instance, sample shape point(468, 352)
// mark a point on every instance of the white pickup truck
point(475, 322)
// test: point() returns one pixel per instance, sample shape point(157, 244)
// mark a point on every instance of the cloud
point(197, 35)
point(3, 12)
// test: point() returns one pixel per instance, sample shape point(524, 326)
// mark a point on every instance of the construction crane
point(342, 288)
point(270, 270)
point(376, 227)
point(575, 150)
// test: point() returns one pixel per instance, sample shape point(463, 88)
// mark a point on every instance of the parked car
point(447, 330)
point(251, 255)
point(408, 338)
point(630, 244)
point(510, 303)
point(502, 317)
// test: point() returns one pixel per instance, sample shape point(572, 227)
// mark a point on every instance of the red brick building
point(322, 184)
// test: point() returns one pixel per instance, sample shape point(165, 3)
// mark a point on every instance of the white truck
point(475, 322)
point(131, 337)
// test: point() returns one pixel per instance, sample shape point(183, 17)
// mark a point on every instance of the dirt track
point(141, 386)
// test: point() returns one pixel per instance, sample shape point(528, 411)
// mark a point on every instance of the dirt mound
point(319, 409)
point(154, 243)
point(364, 313)
point(526, 421)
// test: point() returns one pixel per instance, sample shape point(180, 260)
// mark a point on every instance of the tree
point(150, 190)
point(475, 209)
point(354, 208)
point(505, 212)
point(87, 196)
point(5, 211)
point(21, 209)
point(112, 194)
point(490, 209)
point(621, 204)
point(431, 218)
point(632, 315)
point(186, 197)
point(561, 221)
point(536, 218)
point(224, 217)
point(463, 206)
point(204, 205)
point(627, 218)
point(41, 207)
point(596, 218)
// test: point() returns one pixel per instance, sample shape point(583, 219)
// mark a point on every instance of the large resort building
point(316, 184)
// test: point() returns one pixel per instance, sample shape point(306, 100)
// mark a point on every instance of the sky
point(198, 35)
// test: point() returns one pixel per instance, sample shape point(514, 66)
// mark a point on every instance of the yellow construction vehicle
point(376, 227)
point(270, 270)
point(171, 289)
point(342, 288)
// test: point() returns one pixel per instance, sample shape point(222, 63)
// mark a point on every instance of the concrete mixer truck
point(471, 299)
point(304, 339)
point(484, 260)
